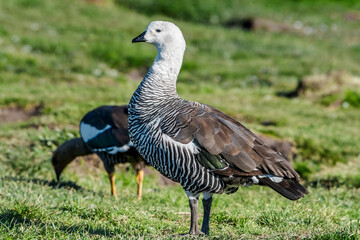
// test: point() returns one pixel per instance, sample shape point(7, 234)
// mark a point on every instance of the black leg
point(207, 207)
point(194, 228)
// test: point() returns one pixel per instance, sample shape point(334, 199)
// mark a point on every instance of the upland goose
point(194, 144)
point(104, 131)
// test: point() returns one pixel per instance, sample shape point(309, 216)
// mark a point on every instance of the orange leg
point(112, 183)
point(139, 180)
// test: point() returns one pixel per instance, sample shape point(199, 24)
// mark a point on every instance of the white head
point(163, 35)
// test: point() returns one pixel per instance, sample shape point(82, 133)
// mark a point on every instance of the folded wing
point(228, 148)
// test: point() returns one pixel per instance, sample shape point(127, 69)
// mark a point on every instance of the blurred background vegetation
point(288, 70)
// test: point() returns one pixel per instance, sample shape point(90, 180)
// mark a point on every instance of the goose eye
point(158, 30)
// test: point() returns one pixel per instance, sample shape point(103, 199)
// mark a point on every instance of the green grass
point(33, 207)
point(71, 56)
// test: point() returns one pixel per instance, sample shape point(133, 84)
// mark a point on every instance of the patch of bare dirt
point(87, 165)
point(316, 86)
point(16, 114)
point(256, 24)
point(285, 147)
point(352, 16)
point(137, 74)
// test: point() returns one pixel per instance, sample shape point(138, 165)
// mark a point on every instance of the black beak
point(139, 38)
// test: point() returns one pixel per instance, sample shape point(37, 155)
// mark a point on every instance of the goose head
point(163, 35)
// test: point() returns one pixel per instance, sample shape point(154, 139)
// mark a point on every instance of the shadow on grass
point(13, 219)
point(54, 184)
point(288, 94)
point(329, 182)
point(75, 229)
point(10, 218)
point(68, 185)
point(344, 234)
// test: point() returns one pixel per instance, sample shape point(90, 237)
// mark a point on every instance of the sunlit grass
point(68, 57)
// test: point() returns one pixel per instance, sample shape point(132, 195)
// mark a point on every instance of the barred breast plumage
point(173, 159)
point(198, 146)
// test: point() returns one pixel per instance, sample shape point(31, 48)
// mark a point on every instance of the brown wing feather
point(219, 134)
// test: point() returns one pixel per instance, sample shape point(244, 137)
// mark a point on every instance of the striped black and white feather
point(191, 143)
point(198, 146)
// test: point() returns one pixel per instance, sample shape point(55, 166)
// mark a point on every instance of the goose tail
point(287, 187)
